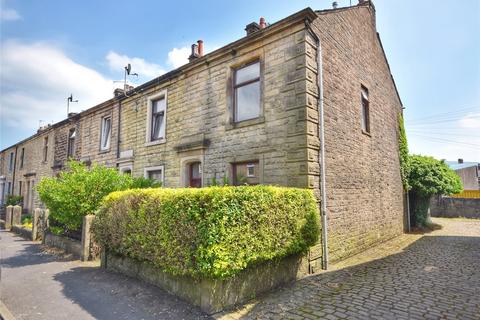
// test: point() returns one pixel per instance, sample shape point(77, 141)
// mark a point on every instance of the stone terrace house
point(255, 111)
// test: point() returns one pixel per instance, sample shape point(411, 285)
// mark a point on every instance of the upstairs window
point(22, 157)
point(10, 162)
point(246, 86)
point(156, 118)
point(71, 143)
point(105, 133)
point(45, 149)
point(365, 111)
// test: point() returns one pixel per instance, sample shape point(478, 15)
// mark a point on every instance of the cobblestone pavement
point(433, 276)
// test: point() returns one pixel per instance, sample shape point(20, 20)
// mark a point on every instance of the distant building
point(469, 172)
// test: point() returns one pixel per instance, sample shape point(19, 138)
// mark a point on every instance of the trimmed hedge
point(211, 232)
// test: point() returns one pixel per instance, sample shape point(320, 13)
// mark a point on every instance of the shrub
point(428, 177)
point(14, 200)
point(79, 191)
point(211, 232)
point(27, 221)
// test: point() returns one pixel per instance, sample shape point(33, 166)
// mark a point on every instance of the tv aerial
point(128, 71)
point(70, 100)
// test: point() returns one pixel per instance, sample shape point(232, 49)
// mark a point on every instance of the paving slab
point(36, 284)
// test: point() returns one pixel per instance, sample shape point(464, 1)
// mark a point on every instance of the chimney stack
point(194, 54)
point(460, 161)
point(263, 24)
point(252, 27)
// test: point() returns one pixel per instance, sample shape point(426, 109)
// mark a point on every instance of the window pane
point(155, 175)
point(365, 116)
point(248, 73)
point(248, 102)
point(158, 105)
point(106, 133)
point(157, 123)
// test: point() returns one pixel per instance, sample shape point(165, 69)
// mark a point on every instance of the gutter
point(118, 127)
point(14, 171)
point(321, 160)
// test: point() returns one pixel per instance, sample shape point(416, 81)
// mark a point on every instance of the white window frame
point(148, 169)
point(102, 137)
point(148, 137)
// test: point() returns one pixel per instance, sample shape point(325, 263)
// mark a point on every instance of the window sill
point(367, 133)
point(245, 123)
point(102, 151)
point(155, 142)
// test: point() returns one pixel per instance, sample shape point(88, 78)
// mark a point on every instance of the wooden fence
point(468, 194)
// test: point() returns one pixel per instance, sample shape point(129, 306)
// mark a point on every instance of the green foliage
point(142, 183)
point(404, 156)
point(79, 191)
point(429, 176)
point(14, 200)
point(27, 221)
point(211, 232)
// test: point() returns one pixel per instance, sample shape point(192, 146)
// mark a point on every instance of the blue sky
point(52, 48)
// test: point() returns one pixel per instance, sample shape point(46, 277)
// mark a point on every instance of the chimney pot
point(200, 48)
point(460, 160)
point(263, 24)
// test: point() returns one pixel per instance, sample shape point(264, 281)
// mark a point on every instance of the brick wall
point(364, 188)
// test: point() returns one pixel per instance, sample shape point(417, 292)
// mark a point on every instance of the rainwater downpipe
point(321, 132)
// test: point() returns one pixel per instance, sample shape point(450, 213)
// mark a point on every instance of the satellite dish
point(128, 68)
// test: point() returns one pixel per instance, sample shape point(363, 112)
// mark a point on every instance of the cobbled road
point(435, 276)
point(431, 276)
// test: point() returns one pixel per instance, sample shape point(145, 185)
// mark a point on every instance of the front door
point(195, 175)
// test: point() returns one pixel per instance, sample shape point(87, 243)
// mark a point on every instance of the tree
point(80, 190)
point(427, 177)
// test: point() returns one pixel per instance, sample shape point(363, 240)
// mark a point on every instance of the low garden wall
point(213, 295)
point(71, 246)
point(85, 249)
point(450, 207)
point(214, 247)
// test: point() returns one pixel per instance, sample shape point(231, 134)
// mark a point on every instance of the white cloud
point(9, 15)
point(177, 57)
point(36, 79)
point(117, 62)
point(471, 121)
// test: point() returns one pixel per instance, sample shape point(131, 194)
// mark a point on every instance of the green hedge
point(211, 232)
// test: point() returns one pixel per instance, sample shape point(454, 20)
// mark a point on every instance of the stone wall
point(364, 189)
point(198, 110)
point(455, 207)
